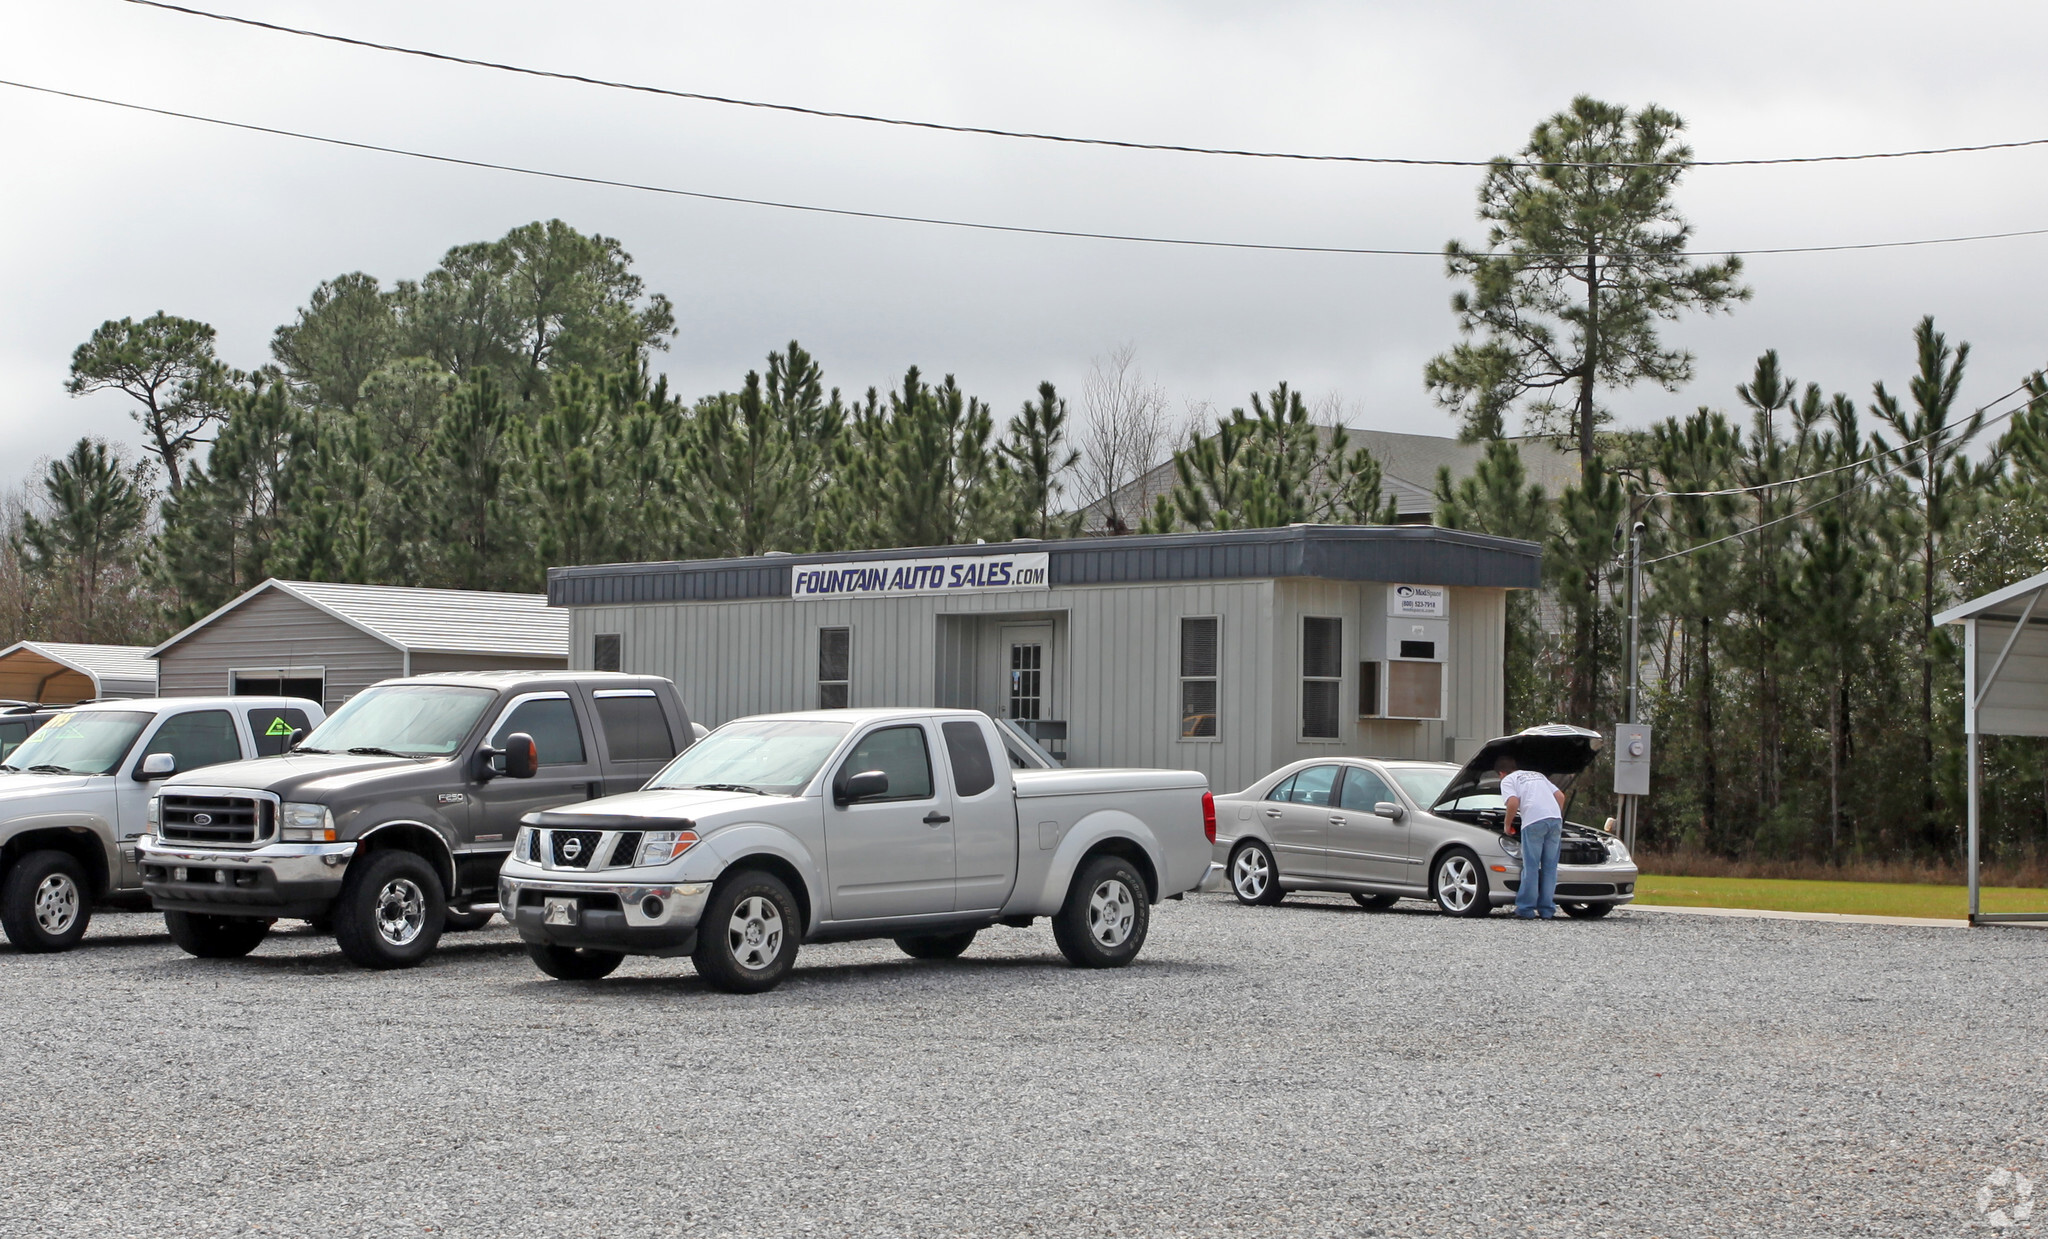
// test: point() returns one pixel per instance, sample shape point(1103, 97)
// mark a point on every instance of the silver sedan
point(1388, 830)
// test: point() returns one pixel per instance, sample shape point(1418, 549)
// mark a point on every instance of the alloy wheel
point(56, 904)
point(1111, 912)
point(755, 933)
point(1250, 874)
point(1457, 883)
point(401, 911)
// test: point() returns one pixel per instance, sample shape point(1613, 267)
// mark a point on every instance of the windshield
point(776, 758)
point(86, 742)
point(414, 720)
point(1425, 783)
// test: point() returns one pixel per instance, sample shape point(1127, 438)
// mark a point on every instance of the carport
point(61, 673)
point(2005, 678)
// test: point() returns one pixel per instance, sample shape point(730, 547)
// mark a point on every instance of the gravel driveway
point(1306, 1070)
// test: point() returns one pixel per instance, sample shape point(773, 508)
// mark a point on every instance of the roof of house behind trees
point(1408, 464)
point(439, 621)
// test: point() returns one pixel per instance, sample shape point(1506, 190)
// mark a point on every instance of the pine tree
point(90, 530)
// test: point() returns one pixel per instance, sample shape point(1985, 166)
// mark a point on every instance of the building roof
point(437, 621)
point(1413, 554)
point(1408, 469)
point(113, 669)
point(2006, 604)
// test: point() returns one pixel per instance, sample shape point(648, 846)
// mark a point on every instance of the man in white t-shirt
point(1540, 806)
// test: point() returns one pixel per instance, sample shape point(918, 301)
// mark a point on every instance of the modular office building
point(1229, 653)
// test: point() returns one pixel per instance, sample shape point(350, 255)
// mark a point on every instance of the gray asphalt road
point(1305, 1070)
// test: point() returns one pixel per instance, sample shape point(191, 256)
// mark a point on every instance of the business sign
point(1426, 601)
point(901, 578)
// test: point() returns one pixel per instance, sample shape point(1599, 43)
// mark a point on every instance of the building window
point(1198, 659)
point(835, 660)
point(1322, 676)
point(1368, 690)
point(1027, 679)
point(604, 652)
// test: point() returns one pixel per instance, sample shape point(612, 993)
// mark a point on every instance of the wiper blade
point(50, 768)
point(371, 750)
point(728, 787)
point(303, 749)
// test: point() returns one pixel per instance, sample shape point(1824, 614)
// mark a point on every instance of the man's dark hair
point(1505, 764)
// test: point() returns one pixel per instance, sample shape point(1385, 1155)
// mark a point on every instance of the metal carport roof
point(30, 670)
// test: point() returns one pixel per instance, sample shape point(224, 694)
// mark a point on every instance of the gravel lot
point(1305, 1070)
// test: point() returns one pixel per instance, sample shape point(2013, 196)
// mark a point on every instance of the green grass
point(1861, 898)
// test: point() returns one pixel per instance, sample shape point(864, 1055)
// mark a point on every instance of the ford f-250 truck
point(839, 824)
point(74, 798)
point(388, 823)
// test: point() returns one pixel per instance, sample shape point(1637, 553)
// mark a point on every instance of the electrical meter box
point(1632, 759)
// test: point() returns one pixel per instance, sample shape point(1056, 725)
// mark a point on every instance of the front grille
point(214, 819)
point(627, 851)
point(575, 849)
point(1582, 852)
point(1583, 889)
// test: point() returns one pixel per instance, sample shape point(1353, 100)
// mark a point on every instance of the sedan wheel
point(1253, 875)
point(1460, 885)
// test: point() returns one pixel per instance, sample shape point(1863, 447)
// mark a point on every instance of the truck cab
point(386, 825)
point(75, 795)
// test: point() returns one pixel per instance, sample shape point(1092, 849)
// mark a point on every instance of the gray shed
point(62, 673)
point(327, 642)
point(1229, 653)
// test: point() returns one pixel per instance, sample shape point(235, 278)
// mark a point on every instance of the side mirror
point(293, 740)
point(862, 786)
point(1389, 810)
point(522, 756)
point(156, 766)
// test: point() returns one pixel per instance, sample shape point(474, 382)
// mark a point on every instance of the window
point(12, 734)
point(780, 758)
point(1368, 690)
point(1283, 789)
point(1316, 786)
point(273, 729)
point(201, 738)
point(635, 727)
point(1027, 680)
point(1322, 672)
point(835, 667)
point(1418, 649)
point(1198, 658)
point(604, 652)
point(1415, 690)
point(81, 742)
point(311, 686)
point(551, 721)
point(1362, 790)
point(419, 720)
point(973, 772)
point(900, 753)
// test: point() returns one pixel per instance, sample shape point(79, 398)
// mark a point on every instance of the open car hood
point(1557, 751)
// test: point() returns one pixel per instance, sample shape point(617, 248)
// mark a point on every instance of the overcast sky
point(110, 213)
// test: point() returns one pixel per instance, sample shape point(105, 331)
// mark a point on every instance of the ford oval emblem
point(202, 819)
point(572, 847)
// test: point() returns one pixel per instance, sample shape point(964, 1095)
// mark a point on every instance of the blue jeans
point(1537, 895)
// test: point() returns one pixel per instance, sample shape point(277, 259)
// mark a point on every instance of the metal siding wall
point(1478, 684)
point(424, 662)
point(274, 629)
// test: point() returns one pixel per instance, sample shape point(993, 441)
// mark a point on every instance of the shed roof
point(437, 621)
point(2003, 604)
point(113, 669)
point(1413, 554)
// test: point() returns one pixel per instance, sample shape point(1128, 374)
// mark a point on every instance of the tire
point(1458, 884)
point(935, 946)
point(747, 941)
point(1106, 916)
point(454, 922)
point(215, 937)
point(1254, 875)
point(1587, 911)
point(391, 910)
point(1377, 903)
point(574, 963)
point(46, 902)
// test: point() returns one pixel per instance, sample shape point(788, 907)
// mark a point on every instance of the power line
point(1068, 139)
point(973, 225)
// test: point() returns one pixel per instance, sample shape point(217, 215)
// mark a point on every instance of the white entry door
point(1025, 660)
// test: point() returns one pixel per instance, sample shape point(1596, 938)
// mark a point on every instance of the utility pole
point(1635, 663)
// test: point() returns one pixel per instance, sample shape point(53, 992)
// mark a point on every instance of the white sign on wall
point(899, 578)
point(1429, 601)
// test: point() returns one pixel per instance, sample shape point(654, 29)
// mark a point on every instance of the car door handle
point(1337, 819)
point(1272, 813)
point(936, 818)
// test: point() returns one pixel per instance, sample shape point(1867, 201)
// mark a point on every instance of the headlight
point(522, 845)
point(1511, 845)
point(151, 815)
point(662, 846)
point(1617, 852)
point(305, 823)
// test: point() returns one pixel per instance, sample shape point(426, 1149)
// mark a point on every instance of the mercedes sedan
point(1387, 830)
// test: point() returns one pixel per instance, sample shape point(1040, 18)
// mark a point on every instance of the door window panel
point(899, 752)
point(1315, 785)
point(201, 738)
point(273, 729)
point(973, 772)
point(635, 729)
point(551, 721)
point(1027, 671)
point(1362, 790)
point(1283, 789)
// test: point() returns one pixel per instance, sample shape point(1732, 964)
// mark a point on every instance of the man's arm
point(1508, 823)
point(1560, 804)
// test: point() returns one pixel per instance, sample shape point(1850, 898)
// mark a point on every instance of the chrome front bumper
point(637, 918)
point(277, 879)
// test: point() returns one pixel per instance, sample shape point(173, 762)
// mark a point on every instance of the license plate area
point(558, 911)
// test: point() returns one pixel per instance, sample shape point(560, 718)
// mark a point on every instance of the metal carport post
point(2008, 696)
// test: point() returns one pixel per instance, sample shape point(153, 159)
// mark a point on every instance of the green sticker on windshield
point(278, 727)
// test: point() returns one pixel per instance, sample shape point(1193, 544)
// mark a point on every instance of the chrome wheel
point(1251, 874)
point(56, 904)
point(1111, 912)
point(755, 933)
point(401, 911)
point(1457, 883)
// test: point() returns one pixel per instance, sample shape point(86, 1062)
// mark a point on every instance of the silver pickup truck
point(840, 824)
